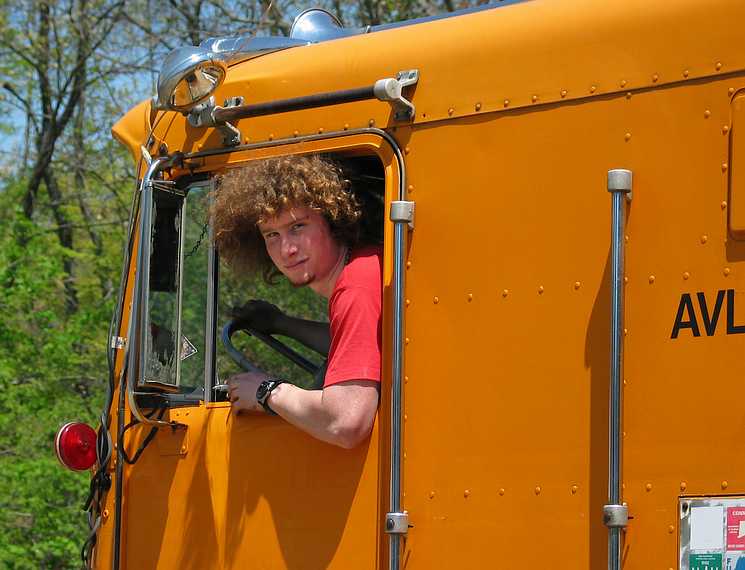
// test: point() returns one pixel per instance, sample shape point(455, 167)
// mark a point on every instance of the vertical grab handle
point(396, 520)
point(615, 513)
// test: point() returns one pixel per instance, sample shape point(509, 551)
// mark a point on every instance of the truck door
point(236, 492)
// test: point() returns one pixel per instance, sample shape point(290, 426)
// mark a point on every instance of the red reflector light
point(75, 445)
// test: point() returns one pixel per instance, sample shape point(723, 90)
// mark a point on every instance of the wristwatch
point(264, 391)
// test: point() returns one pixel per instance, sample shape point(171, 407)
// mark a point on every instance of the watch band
point(265, 390)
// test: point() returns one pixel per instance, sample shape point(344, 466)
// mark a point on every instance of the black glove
point(259, 315)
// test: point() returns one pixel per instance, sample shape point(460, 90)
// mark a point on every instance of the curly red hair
point(261, 190)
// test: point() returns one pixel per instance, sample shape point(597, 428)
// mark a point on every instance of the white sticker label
point(187, 348)
point(707, 528)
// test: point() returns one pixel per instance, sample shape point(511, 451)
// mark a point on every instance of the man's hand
point(260, 316)
point(242, 391)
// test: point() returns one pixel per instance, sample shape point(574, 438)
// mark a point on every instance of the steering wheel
point(318, 372)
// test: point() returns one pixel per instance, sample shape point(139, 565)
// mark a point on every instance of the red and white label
point(735, 528)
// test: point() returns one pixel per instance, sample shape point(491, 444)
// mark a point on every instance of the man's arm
point(341, 414)
point(313, 334)
point(269, 319)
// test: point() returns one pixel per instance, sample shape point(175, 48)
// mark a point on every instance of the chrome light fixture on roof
point(317, 25)
point(189, 76)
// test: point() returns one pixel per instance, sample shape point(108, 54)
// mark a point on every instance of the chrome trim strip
point(210, 328)
point(136, 367)
point(619, 185)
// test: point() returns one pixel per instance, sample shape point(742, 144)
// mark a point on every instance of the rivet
point(626, 239)
point(626, 279)
point(506, 103)
point(725, 484)
point(200, 146)
point(563, 93)
point(470, 297)
point(704, 238)
point(534, 98)
point(707, 114)
point(467, 493)
point(718, 66)
point(346, 126)
point(725, 166)
point(406, 341)
point(723, 205)
point(537, 490)
point(406, 417)
point(625, 332)
point(431, 494)
point(651, 278)
point(627, 137)
point(726, 271)
point(451, 111)
point(405, 456)
point(725, 129)
point(105, 514)
point(686, 73)
point(655, 77)
point(731, 91)
point(540, 290)
point(501, 491)
point(410, 188)
point(623, 83)
point(406, 379)
point(295, 133)
point(407, 150)
point(686, 275)
point(505, 292)
point(477, 106)
point(320, 130)
point(371, 123)
point(574, 489)
point(671, 529)
point(577, 284)
point(628, 95)
point(435, 300)
point(683, 485)
point(183, 449)
point(593, 88)
point(648, 487)
point(408, 302)
point(408, 264)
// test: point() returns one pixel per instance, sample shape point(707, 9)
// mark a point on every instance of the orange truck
point(559, 188)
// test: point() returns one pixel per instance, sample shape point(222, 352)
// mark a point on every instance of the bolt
point(320, 130)
point(295, 133)
point(623, 83)
point(651, 279)
point(683, 485)
point(537, 490)
point(574, 489)
point(655, 77)
point(431, 494)
point(505, 292)
point(540, 290)
point(408, 302)
point(686, 73)
point(406, 341)
point(183, 449)
point(451, 111)
point(671, 529)
point(686, 275)
point(628, 95)
point(408, 264)
point(627, 137)
point(723, 205)
point(648, 487)
point(725, 166)
point(707, 114)
point(435, 300)
point(725, 484)
point(725, 129)
point(478, 106)
point(410, 188)
point(105, 514)
point(726, 271)
point(470, 297)
point(467, 493)
point(371, 123)
point(346, 126)
point(593, 88)
point(731, 91)
point(563, 93)
point(718, 66)
point(577, 285)
point(704, 238)
point(506, 103)
point(534, 98)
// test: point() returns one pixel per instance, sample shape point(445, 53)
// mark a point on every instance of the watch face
point(262, 390)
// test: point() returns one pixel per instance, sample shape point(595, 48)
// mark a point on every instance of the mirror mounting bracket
point(203, 115)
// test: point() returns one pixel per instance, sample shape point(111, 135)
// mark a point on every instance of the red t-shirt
point(355, 310)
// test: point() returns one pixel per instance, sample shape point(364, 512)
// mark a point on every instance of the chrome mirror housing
point(189, 76)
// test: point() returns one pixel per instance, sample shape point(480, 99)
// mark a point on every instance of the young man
point(295, 216)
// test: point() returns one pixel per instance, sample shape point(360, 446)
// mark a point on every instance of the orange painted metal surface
point(521, 111)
